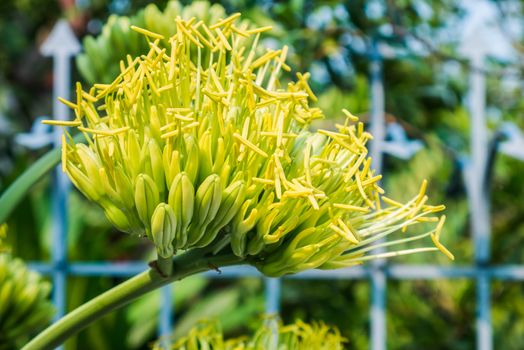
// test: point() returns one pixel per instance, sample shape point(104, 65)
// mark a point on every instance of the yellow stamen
point(259, 30)
point(165, 87)
point(349, 231)
point(104, 132)
point(229, 19)
point(67, 103)
point(199, 35)
point(263, 181)
point(351, 207)
point(188, 34)
point(266, 57)
point(223, 39)
point(62, 122)
point(64, 153)
point(250, 145)
point(349, 115)
point(313, 201)
point(147, 32)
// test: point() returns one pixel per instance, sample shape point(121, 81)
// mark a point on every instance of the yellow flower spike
point(205, 104)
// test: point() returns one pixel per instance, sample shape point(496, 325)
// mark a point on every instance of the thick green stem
point(18, 189)
point(164, 265)
point(184, 265)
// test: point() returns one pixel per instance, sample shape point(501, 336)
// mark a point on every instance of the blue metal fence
point(378, 273)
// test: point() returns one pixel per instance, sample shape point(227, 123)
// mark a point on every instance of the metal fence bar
point(165, 324)
point(378, 130)
point(392, 271)
point(273, 286)
point(61, 45)
point(478, 196)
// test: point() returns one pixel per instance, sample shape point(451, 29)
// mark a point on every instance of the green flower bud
point(157, 167)
point(118, 218)
point(146, 197)
point(182, 200)
point(163, 229)
point(207, 202)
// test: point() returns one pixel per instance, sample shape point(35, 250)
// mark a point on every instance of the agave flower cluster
point(99, 61)
point(271, 335)
point(24, 304)
point(199, 144)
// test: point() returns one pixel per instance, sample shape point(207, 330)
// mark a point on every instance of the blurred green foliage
point(425, 92)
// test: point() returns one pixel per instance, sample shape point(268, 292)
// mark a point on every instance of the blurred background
point(431, 54)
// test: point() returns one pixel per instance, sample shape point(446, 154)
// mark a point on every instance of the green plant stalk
point(164, 265)
point(19, 188)
point(184, 265)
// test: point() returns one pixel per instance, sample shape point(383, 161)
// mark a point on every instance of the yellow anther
point(349, 230)
point(179, 110)
point(188, 34)
point(228, 20)
point(349, 115)
point(263, 181)
point(313, 201)
point(422, 190)
point(303, 80)
point(194, 30)
point(67, 103)
point(62, 122)
point(265, 58)
point(165, 88)
point(351, 207)
point(239, 31)
point(64, 153)
point(259, 30)
point(223, 39)
point(147, 32)
point(250, 145)
point(104, 132)
point(392, 202)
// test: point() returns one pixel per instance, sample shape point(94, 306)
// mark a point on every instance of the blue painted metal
point(392, 271)
point(62, 46)
point(478, 196)
point(378, 130)
point(165, 324)
point(273, 286)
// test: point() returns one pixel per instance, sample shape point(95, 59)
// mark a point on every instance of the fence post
point(61, 45)
point(165, 321)
point(378, 130)
point(478, 196)
point(272, 295)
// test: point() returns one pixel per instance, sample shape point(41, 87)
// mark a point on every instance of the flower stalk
point(183, 265)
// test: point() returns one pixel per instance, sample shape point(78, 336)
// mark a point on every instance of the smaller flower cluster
point(99, 61)
point(199, 144)
point(24, 304)
point(272, 335)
